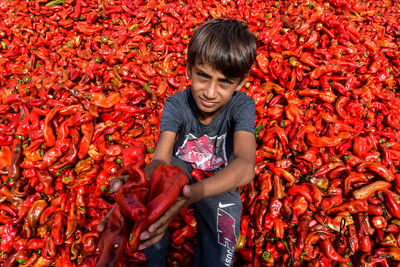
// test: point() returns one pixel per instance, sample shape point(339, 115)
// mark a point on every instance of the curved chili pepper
point(302, 229)
point(302, 190)
point(132, 201)
point(72, 221)
point(370, 189)
point(48, 133)
point(14, 169)
point(103, 101)
point(353, 206)
point(87, 131)
point(378, 168)
point(89, 241)
point(312, 238)
point(27, 204)
point(71, 154)
point(57, 229)
point(391, 204)
point(23, 126)
point(324, 141)
point(321, 70)
point(328, 249)
point(390, 252)
point(259, 212)
point(300, 205)
point(35, 212)
point(46, 213)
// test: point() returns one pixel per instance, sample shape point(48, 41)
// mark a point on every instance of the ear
point(242, 82)
point(188, 72)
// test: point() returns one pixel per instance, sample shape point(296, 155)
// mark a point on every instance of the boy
point(209, 126)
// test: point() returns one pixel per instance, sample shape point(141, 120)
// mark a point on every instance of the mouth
point(206, 103)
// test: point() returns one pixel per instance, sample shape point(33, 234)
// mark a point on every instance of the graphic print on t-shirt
point(204, 153)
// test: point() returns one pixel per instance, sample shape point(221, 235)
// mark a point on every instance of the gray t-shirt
point(206, 147)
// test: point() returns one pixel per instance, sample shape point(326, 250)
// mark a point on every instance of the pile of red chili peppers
point(82, 80)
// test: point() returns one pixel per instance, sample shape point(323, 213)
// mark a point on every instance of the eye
point(226, 82)
point(202, 75)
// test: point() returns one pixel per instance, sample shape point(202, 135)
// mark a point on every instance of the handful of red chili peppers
point(80, 81)
point(139, 203)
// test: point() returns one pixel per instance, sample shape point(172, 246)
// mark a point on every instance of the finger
point(103, 223)
point(168, 215)
point(156, 228)
point(144, 235)
point(124, 178)
point(186, 191)
point(117, 182)
point(151, 242)
point(157, 224)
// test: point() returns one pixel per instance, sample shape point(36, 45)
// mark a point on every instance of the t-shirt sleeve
point(244, 115)
point(170, 119)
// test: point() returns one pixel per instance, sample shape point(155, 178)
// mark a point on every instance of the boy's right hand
point(153, 234)
point(115, 184)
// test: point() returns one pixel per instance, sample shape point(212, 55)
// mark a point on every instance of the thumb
point(117, 182)
point(186, 191)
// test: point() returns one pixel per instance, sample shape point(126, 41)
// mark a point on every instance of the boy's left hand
point(157, 229)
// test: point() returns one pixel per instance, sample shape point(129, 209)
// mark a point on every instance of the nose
point(211, 91)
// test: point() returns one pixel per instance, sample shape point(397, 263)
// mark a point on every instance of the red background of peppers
point(79, 80)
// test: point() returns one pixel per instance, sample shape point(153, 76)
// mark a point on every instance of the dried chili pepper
point(14, 169)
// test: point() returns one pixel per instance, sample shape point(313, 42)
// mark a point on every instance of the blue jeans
point(218, 219)
point(157, 254)
point(219, 226)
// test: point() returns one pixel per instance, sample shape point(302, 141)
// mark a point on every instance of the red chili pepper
point(180, 235)
point(302, 190)
point(308, 59)
point(324, 141)
point(328, 249)
point(129, 109)
point(370, 189)
point(377, 168)
point(389, 252)
point(246, 254)
point(14, 169)
point(57, 229)
point(302, 229)
point(188, 217)
point(199, 175)
point(23, 126)
point(48, 133)
point(260, 210)
point(262, 61)
point(110, 150)
point(325, 69)
point(300, 205)
point(391, 204)
point(353, 206)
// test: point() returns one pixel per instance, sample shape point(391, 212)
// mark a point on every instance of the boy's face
point(211, 90)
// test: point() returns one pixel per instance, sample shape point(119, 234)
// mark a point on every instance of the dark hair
point(225, 44)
